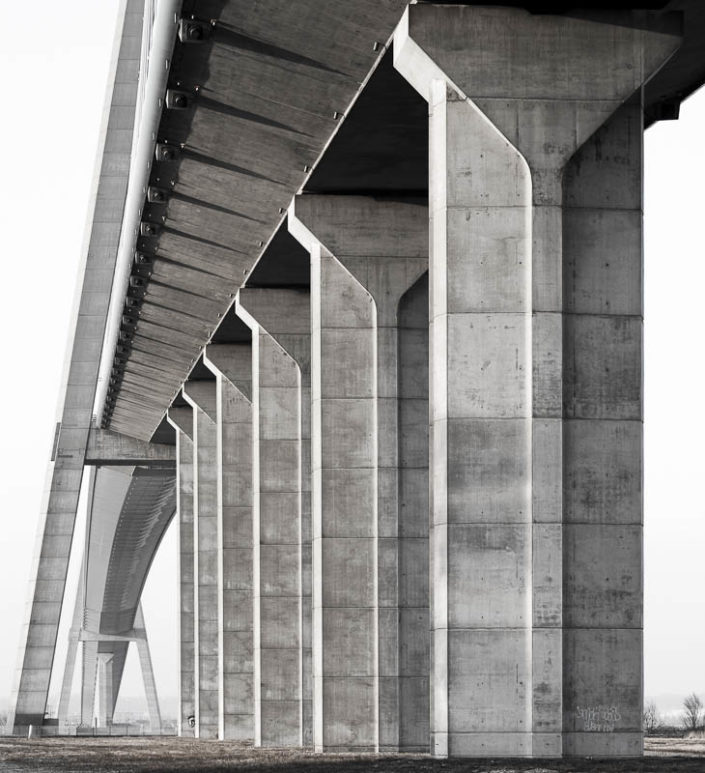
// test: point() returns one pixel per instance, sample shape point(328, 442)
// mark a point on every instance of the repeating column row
point(426, 492)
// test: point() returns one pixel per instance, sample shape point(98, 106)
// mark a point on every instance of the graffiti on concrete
point(598, 719)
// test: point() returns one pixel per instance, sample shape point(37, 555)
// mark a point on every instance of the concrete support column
point(365, 254)
point(602, 440)
point(201, 395)
point(285, 315)
point(89, 680)
point(506, 116)
point(276, 409)
point(150, 685)
point(71, 652)
point(182, 421)
point(105, 689)
point(232, 366)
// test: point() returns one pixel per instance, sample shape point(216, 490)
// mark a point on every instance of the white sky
point(55, 84)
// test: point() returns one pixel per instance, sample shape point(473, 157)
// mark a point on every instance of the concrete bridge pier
point(276, 473)
point(89, 680)
point(105, 689)
point(232, 366)
point(285, 315)
point(536, 377)
point(182, 421)
point(365, 255)
point(201, 395)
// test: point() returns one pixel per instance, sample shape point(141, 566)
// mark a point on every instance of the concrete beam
point(111, 448)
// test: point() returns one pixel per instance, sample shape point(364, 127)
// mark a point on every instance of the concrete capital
point(351, 226)
point(234, 363)
point(202, 395)
point(277, 309)
point(181, 419)
point(489, 55)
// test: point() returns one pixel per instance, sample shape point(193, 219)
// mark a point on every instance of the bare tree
point(651, 718)
point(692, 712)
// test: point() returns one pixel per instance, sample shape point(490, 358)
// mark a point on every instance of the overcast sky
point(55, 86)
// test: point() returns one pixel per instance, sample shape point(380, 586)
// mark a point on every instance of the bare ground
point(155, 755)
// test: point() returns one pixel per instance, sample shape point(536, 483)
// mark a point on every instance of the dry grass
point(182, 755)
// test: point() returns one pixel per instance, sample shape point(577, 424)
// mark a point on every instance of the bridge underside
point(386, 301)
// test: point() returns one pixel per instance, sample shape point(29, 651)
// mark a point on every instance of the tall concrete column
point(285, 315)
point(602, 440)
point(201, 395)
point(232, 366)
point(276, 405)
point(89, 680)
point(105, 689)
point(65, 470)
point(72, 651)
point(182, 421)
point(506, 115)
point(150, 685)
point(365, 254)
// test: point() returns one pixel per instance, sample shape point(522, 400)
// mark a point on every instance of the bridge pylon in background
point(103, 660)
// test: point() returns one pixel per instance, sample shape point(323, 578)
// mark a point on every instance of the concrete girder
point(111, 449)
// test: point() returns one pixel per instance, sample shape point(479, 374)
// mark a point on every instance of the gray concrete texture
point(410, 502)
point(365, 256)
point(537, 375)
point(201, 395)
point(232, 366)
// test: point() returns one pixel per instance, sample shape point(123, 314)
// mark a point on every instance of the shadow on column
point(414, 622)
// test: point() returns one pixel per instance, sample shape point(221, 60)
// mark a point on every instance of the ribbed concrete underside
point(267, 98)
point(131, 509)
point(266, 93)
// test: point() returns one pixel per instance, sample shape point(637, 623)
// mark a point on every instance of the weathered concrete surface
point(182, 421)
point(308, 62)
point(602, 440)
point(113, 449)
point(503, 124)
point(232, 366)
point(201, 395)
point(55, 530)
point(355, 296)
point(276, 406)
point(285, 315)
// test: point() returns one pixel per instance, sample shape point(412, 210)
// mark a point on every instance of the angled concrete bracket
point(112, 448)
